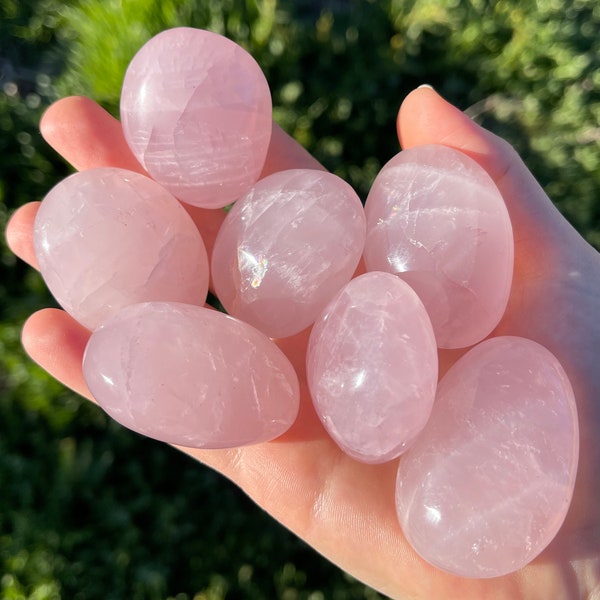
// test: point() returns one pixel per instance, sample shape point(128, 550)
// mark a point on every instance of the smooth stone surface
point(286, 248)
point(372, 367)
point(436, 219)
point(486, 486)
point(106, 238)
point(191, 376)
point(196, 112)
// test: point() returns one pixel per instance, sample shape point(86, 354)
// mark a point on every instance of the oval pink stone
point(487, 485)
point(106, 238)
point(196, 112)
point(191, 376)
point(372, 367)
point(286, 248)
point(436, 219)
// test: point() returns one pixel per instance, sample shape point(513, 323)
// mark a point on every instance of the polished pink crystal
point(436, 219)
point(107, 237)
point(487, 485)
point(196, 112)
point(286, 248)
point(372, 367)
point(191, 376)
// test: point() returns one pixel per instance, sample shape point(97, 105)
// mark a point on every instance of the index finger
point(87, 136)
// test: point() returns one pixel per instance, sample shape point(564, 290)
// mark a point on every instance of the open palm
point(343, 508)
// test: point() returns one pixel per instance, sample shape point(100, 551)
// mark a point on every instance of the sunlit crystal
point(286, 248)
point(258, 270)
point(486, 486)
point(196, 112)
point(191, 376)
point(372, 367)
point(436, 219)
point(106, 238)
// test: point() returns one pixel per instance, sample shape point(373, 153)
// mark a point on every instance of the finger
point(56, 342)
point(426, 118)
point(19, 233)
point(87, 136)
point(542, 236)
point(286, 153)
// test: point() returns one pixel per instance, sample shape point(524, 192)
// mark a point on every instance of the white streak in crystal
point(399, 261)
point(433, 514)
point(256, 265)
point(108, 380)
point(359, 379)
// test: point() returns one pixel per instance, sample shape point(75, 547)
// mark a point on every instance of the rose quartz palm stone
point(286, 248)
point(436, 219)
point(372, 367)
point(487, 485)
point(106, 238)
point(196, 112)
point(191, 376)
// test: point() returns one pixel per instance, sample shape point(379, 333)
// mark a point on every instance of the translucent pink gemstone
point(286, 248)
point(191, 376)
point(436, 219)
point(486, 486)
point(196, 112)
point(372, 367)
point(106, 238)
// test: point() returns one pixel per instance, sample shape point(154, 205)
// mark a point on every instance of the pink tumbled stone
point(196, 112)
point(286, 248)
point(372, 367)
point(107, 237)
point(436, 219)
point(487, 485)
point(191, 376)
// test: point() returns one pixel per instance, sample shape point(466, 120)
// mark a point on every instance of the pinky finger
point(56, 342)
point(19, 233)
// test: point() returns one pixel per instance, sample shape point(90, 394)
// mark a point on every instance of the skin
point(343, 508)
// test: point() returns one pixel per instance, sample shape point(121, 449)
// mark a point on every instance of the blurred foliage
point(88, 510)
point(29, 60)
point(527, 69)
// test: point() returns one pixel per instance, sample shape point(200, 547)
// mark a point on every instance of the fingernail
point(425, 85)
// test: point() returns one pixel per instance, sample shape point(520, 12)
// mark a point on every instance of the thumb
point(426, 118)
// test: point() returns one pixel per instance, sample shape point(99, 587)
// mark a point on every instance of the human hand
point(343, 508)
